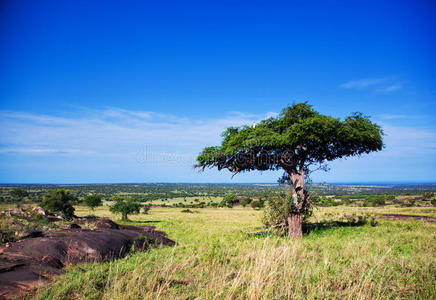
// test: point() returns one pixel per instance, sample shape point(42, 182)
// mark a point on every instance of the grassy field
point(215, 260)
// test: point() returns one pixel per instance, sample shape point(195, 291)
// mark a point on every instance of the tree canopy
point(298, 137)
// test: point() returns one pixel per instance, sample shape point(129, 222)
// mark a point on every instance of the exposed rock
point(32, 262)
point(15, 211)
point(53, 219)
point(39, 210)
point(73, 226)
point(106, 223)
point(24, 234)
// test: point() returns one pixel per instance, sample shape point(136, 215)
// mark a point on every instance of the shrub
point(142, 242)
point(246, 201)
point(391, 198)
point(409, 203)
point(229, 199)
point(374, 201)
point(146, 208)
point(59, 201)
point(257, 204)
point(277, 210)
point(346, 199)
point(325, 201)
point(379, 201)
point(428, 195)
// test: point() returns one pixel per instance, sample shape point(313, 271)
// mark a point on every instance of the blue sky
point(131, 91)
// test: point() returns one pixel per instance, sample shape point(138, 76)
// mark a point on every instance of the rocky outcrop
point(32, 262)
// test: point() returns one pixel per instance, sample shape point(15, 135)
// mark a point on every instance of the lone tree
point(93, 201)
point(125, 208)
point(229, 199)
point(298, 138)
point(59, 201)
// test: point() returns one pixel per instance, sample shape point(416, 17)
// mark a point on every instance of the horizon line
point(232, 183)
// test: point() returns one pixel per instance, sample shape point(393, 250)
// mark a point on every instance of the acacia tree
point(93, 201)
point(125, 208)
point(295, 140)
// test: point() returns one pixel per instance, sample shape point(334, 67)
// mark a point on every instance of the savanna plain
point(216, 257)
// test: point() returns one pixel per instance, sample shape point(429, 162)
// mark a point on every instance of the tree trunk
point(295, 222)
point(295, 217)
point(297, 186)
point(124, 217)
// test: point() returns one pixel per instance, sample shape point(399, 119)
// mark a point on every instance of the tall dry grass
point(214, 260)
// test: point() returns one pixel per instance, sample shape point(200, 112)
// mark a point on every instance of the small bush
point(142, 243)
point(146, 208)
point(428, 195)
point(327, 201)
point(277, 210)
point(255, 204)
point(246, 201)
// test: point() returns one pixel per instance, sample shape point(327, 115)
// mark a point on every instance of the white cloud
point(112, 131)
point(390, 88)
point(115, 144)
point(383, 85)
point(120, 132)
point(403, 141)
point(35, 150)
point(362, 83)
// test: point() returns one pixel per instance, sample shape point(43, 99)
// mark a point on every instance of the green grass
point(390, 209)
point(215, 260)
